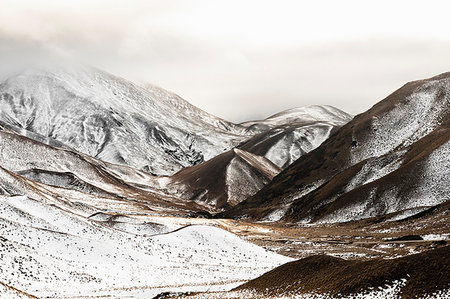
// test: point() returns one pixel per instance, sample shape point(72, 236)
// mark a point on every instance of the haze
point(240, 60)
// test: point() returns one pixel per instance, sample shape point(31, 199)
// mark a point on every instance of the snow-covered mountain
point(287, 135)
point(116, 121)
point(113, 119)
point(394, 158)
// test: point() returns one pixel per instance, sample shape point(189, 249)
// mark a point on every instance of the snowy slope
point(45, 250)
point(392, 158)
point(112, 119)
point(117, 121)
point(284, 137)
point(307, 114)
point(38, 170)
point(284, 144)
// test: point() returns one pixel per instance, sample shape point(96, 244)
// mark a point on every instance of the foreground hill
point(48, 245)
point(413, 276)
point(392, 158)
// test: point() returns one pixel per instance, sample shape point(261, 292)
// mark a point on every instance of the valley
point(130, 191)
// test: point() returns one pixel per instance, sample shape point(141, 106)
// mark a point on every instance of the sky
point(240, 60)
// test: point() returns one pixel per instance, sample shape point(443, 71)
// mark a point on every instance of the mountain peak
point(100, 114)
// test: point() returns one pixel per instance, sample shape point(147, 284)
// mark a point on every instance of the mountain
point(287, 135)
point(392, 158)
point(112, 119)
point(423, 275)
point(116, 121)
point(223, 181)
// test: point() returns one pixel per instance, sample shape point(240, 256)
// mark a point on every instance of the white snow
point(112, 119)
point(274, 215)
point(436, 237)
point(45, 250)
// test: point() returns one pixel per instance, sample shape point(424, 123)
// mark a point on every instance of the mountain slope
point(117, 121)
point(391, 158)
point(419, 275)
point(38, 170)
point(223, 181)
point(45, 249)
point(112, 119)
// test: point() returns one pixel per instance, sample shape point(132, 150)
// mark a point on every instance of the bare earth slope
point(392, 158)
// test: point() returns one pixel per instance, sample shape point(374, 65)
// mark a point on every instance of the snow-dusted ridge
point(306, 114)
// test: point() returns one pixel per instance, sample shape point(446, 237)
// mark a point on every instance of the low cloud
point(231, 59)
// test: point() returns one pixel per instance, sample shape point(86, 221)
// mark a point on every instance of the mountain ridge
point(391, 127)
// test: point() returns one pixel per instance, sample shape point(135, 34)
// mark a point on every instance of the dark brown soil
point(425, 273)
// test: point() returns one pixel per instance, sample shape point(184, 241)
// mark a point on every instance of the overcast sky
point(242, 59)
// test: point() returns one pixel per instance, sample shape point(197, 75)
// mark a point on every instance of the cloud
point(239, 59)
